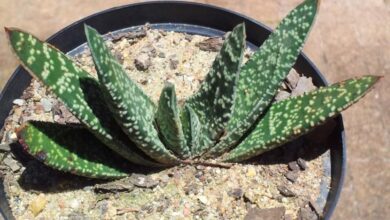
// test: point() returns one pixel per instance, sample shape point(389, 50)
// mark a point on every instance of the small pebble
point(265, 214)
point(302, 163)
point(292, 79)
point(11, 163)
point(304, 84)
point(5, 147)
point(12, 136)
point(236, 193)
point(213, 44)
point(38, 204)
point(46, 104)
point(74, 204)
point(173, 62)
point(144, 181)
point(251, 172)
point(19, 102)
point(292, 176)
point(281, 95)
point(293, 165)
point(142, 62)
point(286, 191)
point(203, 199)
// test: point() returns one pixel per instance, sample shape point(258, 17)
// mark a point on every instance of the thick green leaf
point(75, 88)
point(263, 74)
point(293, 117)
point(168, 121)
point(191, 126)
point(214, 100)
point(132, 108)
point(70, 149)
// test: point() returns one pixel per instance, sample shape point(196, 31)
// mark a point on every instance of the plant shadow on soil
point(41, 178)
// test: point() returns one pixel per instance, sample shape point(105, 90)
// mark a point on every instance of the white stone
point(19, 102)
point(203, 199)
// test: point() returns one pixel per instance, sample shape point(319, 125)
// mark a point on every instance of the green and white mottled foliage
point(231, 117)
point(132, 108)
point(213, 102)
point(169, 123)
point(71, 148)
point(76, 88)
point(293, 117)
point(263, 74)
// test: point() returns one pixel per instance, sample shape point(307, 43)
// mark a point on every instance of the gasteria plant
point(229, 119)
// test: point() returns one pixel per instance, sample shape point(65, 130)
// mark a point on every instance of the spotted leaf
point(290, 118)
point(70, 149)
point(214, 100)
point(76, 89)
point(131, 107)
point(191, 127)
point(263, 74)
point(168, 121)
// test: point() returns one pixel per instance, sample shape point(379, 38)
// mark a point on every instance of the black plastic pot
point(186, 17)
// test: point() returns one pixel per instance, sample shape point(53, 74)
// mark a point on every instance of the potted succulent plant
point(231, 118)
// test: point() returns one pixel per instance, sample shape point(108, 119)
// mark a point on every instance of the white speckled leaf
point(293, 117)
point(75, 88)
point(70, 149)
point(191, 126)
point(214, 100)
point(132, 108)
point(168, 121)
point(263, 74)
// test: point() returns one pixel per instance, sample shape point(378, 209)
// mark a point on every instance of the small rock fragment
point(142, 62)
point(191, 189)
point(173, 62)
point(188, 37)
point(118, 56)
point(203, 199)
point(315, 207)
point(144, 181)
point(302, 163)
point(292, 79)
point(250, 197)
point(38, 204)
point(265, 214)
point(281, 95)
point(149, 50)
point(19, 102)
point(123, 185)
point(5, 147)
point(236, 193)
point(129, 35)
point(292, 176)
point(213, 44)
point(12, 164)
point(12, 137)
point(74, 204)
point(306, 213)
point(161, 55)
point(251, 172)
point(46, 104)
point(305, 84)
point(286, 191)
point(293, 165)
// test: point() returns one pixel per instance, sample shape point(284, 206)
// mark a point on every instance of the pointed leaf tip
point(132, 109)
point(293, 117)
